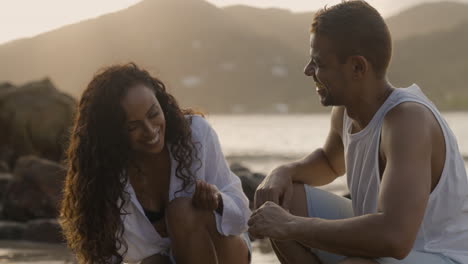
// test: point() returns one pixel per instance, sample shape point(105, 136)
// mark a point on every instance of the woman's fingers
point(205, 196)
point(196, 194)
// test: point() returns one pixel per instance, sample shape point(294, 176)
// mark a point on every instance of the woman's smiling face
point(146, 123)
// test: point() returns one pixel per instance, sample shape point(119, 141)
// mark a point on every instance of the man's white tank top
point(444, 228)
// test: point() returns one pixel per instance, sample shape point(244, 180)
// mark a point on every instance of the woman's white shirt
point(139, 234)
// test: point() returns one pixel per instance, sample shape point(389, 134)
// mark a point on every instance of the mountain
point(235, 59)
point(288, 27)
point(427, 18)
point(438, 63)
point(206, 58)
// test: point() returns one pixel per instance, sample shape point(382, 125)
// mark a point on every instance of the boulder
point(40, 230)
point(6, 87)
point(250, 180)
point(35, 119)
point(35, 190)
point(43, 230)
point(11, 230)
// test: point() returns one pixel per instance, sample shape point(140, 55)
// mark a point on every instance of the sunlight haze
point(27, 18)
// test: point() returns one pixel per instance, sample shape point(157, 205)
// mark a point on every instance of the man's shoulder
point(409, 123)
point(409, 114)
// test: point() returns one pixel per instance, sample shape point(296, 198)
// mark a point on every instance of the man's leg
point(292, 251)
point(195, 239)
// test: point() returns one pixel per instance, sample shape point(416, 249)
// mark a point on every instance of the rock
point(43, 230)
point(5, 179)
point(40, 230)
point(11, 230)
point(4, 168)
point(249, 180)
point(5, 88)
point(35, 190)
point(35, 119)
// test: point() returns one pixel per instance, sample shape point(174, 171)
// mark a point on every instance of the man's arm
point(325, 164)
point(319, 168)
point(407, 139)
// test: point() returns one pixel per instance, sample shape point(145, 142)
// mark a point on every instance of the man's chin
point(325, 101)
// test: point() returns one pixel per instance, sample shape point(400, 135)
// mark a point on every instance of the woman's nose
point(148, 127)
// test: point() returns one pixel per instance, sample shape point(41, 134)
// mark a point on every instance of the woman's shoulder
point(199, 125)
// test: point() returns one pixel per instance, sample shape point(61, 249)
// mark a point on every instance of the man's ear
point(360, 66)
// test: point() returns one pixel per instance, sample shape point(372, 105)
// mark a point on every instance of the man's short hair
point(356, 28)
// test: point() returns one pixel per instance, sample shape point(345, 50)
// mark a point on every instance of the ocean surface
point(260, 142)
point(263, 142)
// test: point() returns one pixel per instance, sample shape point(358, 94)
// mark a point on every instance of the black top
point(153, 216)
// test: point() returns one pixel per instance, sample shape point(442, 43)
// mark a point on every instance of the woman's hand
point(206, 196)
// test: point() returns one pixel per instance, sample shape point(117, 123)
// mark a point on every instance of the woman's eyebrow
point(147, 113)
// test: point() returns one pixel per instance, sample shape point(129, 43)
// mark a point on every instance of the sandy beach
point(24, 252)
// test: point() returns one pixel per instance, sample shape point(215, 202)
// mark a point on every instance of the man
point(406, 177)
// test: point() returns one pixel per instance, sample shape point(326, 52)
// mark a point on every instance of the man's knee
point(298, 203)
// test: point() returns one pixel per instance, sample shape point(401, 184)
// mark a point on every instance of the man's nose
point(309, 69)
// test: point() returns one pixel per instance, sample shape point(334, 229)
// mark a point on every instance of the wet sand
point(19, 252)
point(24, 252)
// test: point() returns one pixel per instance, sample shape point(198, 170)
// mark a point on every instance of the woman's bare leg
point(195, 239)
point(156, 259)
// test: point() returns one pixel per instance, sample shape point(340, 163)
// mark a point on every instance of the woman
point(147, 181)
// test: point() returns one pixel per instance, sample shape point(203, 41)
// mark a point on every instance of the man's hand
point(276, 187)
point(271, 221)
point(206, 196)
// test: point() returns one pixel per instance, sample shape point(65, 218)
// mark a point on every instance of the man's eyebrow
point(147, 113)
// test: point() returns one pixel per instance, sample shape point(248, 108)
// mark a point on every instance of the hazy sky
point(25, 18)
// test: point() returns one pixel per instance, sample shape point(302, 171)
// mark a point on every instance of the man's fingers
point(253, 219)
point(259, 198)
point(274, 197)
point(263, 196)
point(255, 231)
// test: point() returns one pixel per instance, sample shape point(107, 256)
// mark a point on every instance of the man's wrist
point(287, 170)
point(293, 228)
point(303, 229)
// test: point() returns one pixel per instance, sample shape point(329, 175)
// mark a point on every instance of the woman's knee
point(183, 215)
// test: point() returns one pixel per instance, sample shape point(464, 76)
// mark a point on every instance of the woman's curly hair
point(98, 155)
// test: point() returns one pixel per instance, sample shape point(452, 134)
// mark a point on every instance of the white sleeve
point(236, 212)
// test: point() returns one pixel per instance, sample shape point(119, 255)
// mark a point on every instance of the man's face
point(327, 71)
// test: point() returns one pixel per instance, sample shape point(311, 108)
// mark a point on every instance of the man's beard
point(325, 97)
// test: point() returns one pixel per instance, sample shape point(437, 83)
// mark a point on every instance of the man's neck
point(363, 106)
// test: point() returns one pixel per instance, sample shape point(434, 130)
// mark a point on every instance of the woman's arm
point(235, 212)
